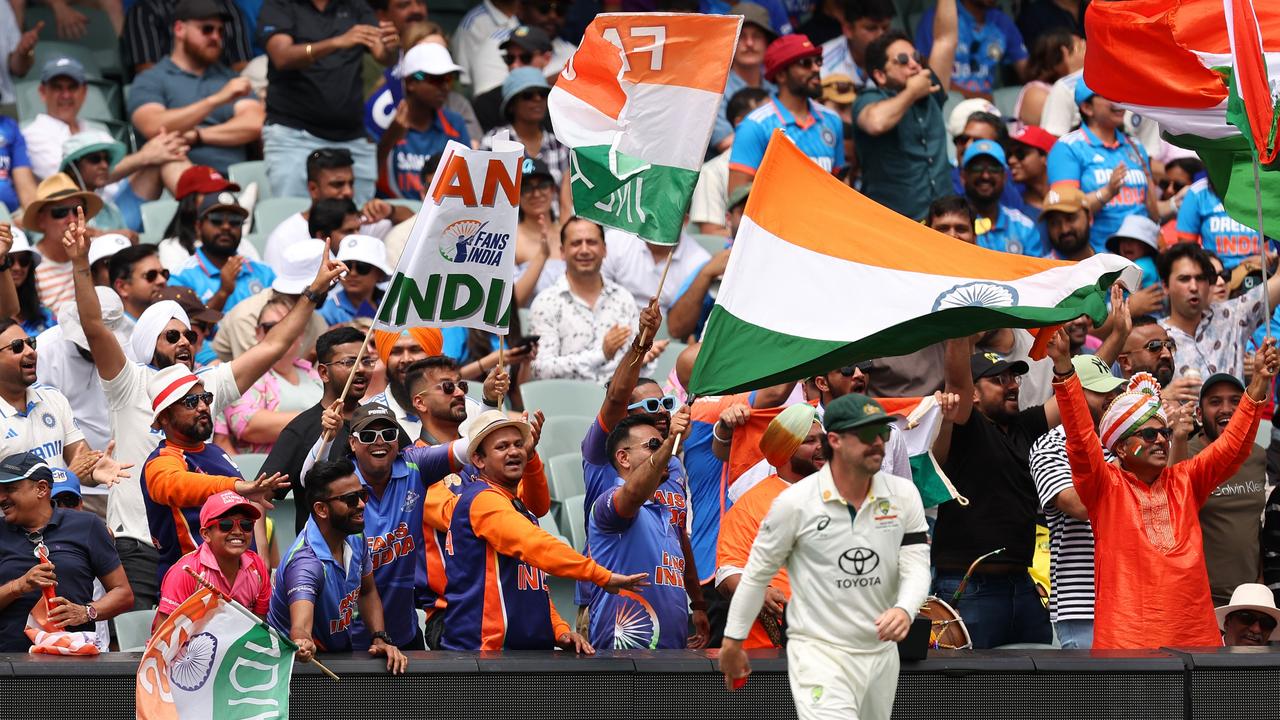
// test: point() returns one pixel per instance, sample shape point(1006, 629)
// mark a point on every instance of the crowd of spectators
point(146, 357)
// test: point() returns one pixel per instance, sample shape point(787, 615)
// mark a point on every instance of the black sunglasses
point(1156, 346)
point(550, 7)
point(511, 58)
point(226, 524)
point(810, 63)
point(351, 499)
point(15, 346)
point(369, 437)
point(433, 79)
point(173, 336)
point(1021, 151)
point(1225, 276)
point(21, 259)
point(67, 500)
point(1150, 434)
point(360, 268)
point(652, 443)
point(191, 402)
point(210, 29)
point(97, 158)
point(1249, 617)
point(1167, 184)
point(906, 58)
point(58, 213)
point(985, 169)
point(152, 274)
point(225, 218)
point(869, 433)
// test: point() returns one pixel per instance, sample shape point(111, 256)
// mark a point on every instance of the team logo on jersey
point(1014, 247)
point(995, 52)
point(859, 561)
point(828, 137)
point(48, 420)
point(410, 498)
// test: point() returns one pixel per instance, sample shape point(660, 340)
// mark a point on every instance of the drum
point(948, 631)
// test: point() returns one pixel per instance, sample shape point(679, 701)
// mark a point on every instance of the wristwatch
point(315, 297)
point(383, 636)
point(92, 612)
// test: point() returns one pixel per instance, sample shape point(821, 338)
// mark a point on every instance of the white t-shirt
point(61, 367)
point(711, 194)
point(130, 411)
point(295, 229)
point(45, 136)
point(45, 426)
point(630, 264)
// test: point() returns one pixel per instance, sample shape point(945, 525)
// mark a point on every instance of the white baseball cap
point(959, 116)
point(112, 316)
point(21, 243)
point(104, 246)
point(365, 249)
point(428, 58)
point(298, 266)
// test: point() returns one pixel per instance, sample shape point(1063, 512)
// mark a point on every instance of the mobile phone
point(529, 342)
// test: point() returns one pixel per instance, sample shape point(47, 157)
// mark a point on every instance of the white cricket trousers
point(829, 683)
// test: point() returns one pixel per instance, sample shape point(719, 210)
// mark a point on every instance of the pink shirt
point(252, 588)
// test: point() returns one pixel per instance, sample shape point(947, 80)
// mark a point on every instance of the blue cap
point(1082, 91)
point(64, 481)
point(522, 79)
point(990, 148)
point(62, 67)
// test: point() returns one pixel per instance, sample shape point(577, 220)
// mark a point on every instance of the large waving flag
point(636, 105)
point(1202, 69)
point(212, 658)
point(822, 277)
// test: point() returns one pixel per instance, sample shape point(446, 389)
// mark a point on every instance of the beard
point(222, 245)
point(1070, 244)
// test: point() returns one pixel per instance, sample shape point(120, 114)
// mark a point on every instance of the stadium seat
point(259, 242)
point(563, 397)
point(711, 243)
point(97, 106)
point(283, 516)
point(1263, 438)
point(4, 213)
point(270, 212)
point(563, 434)
point(253, 171)
point(548, 522)
point(155, 218)
point(573, 520)
point(52, 50)
point(1006, 98)
point(100, 38)
point(414, 205)
point(565, 476)
point(667, 360)
point(250, 464)
point(133, 629)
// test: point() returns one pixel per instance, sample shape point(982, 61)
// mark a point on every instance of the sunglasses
point(985, 169)
point(266, 327)
point(550, 8)
point(191, 402)
point(433, 79)
point(15, 346)
point(212, 29)
point(365, 362)
point(1156, 346)
point(1224, 276)
point(151, 275)
point(529, 95)
point(1249, 617)
point(1167, 185)
point(652, 443)
point(513, 58)
point(21, 259)
point(448, 387)
point(536, 185)
point(810, 63)
point(173, 336)
point(352, 499)
point(653, 405)
point(226, 525)
point(961, 140)
point(869, 433)
point(1149, 435)
point(60, 213)
point(907, 58)
point(369, 437)
point(225, 219)
point(97, 158)
point(850, 370)
point(360, 268)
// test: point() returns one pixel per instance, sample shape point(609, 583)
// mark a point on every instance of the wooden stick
point(501, 363)
point(356, 365)
point(1262, 235)
point(658, 293)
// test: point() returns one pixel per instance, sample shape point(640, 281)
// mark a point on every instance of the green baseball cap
point(853, 411)
point(1094, 374)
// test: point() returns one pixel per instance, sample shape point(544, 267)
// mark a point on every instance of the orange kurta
point(1152, 586)
point(738, 532)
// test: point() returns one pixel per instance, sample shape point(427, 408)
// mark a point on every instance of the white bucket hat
point(1251, 596)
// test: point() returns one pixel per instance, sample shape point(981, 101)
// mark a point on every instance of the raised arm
point(642, 481)
point(9, 305)
point(1224, 456)
point(1089, 469)
point(946, 36)
point(618, 396)
point(959, 384)
point(108, 356)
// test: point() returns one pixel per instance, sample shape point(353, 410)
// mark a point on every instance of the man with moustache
point(984, 174)
point(1066, 222)
point(220, 221)
point(184, 471)
point(439, 397)
point(795, 65)
point(1250, 619)
point(1149, 349)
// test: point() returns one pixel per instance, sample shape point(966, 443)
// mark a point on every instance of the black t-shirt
point(290, 452)
point(990, 467)
point(79, 547)
point(326, 97)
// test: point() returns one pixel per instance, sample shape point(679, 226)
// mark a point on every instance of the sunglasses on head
point(653, 405)
point(369, 437)
point(227, 524)
point(352, 499)
point(906, 58)
point(1149, 435)
point(512, 58)
point(191, 402)
point(1249, 617)
point(869, 433)
point(433, 79)
point(15, 346)
point(173, 336)
point(97, 158)
point(360, 268)
point(1156, 346)
point(151, 275)
point(652, 443)
point(225, 219)
point(59, 213)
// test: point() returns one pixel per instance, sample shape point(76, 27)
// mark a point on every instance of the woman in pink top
point(224, 560)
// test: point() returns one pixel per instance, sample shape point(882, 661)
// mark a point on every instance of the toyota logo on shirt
point(859, 561)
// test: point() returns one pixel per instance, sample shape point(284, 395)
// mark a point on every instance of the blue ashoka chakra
point(979, 293)
point(190, 669)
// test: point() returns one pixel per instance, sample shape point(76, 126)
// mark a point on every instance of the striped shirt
point(1070, 540)
point(54, 284)
point(147, 36)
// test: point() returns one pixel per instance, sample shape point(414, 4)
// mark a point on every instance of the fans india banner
point(636, 105)
point(458, 265)
point(1204, 70)
point(822, 277)
point(212, 658)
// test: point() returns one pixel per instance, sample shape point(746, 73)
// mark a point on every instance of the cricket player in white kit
point(855, 544)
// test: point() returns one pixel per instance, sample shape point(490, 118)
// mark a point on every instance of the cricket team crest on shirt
point(884, 514)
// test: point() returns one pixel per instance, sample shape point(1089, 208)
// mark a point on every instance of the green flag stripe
point(650, 203)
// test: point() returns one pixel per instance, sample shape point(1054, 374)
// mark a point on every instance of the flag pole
point(501, 363)
point(1262, 235)
point(245, 611)
point(658, 293)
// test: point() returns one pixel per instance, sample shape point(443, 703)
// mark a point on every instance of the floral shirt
point(572, 333)
point(264, 395)
point(1221, 336)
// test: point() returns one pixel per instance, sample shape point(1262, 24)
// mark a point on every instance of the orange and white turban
point(786, 432)
point(1135, 406)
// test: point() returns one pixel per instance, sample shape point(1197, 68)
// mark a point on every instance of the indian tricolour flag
point(1206, 71)
point(636, 105)
point(822, 277)
point(212, 658)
